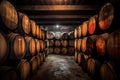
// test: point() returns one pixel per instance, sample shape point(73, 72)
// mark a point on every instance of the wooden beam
point(58, 16)
point(56, 7)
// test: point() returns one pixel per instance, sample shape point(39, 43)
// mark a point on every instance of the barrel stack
point(22, 42)
point(96, 45)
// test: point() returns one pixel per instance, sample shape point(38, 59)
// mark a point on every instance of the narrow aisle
point(57, 67)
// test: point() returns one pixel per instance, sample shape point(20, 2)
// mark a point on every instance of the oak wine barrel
point(83, 44)
point(79, 58)
point(9, 15)
point(76, 56)
point(30, 47)
point(79, 31)
point(79, 44)
point(8, 73)
point(23, 24)
point(84, 28)
point(42, 45)
point(71, 51)
point(92, 25)
point(57, 43)
point(113, 46)
point(33, 28)
point(37, 31)
point(71, 35)
point(24, 69)
point(34, 64)
point(75, 43)
point(3, 48)
point(40, 33)
point(71, 43)
point(39, 59)
point(57, 50)
point(106, 16)
point(75, 33)
point(64, 51)
point(51, 43)
point(37, 43)
point(64, 43)
point(51, 35)
point(65, 36)
point(107, 71)
point(17, 46)
point(58, 35)
point(50, 50)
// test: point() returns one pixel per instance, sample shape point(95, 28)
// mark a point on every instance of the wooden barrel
point(84, 28)
point(37, 43)
point(113, 46)
point(24, 23)
point(34, 64)
point(42, 46)
point(58, 35)
point(71, 35)
point(9, 15)
point(3, 48)
point(79, 58)
point(93, 67)
point(30, 48)
point(75, 43)
point(101, 44)
point(64, 43)
point(92, 25)
point(17, 46)
point(24, 69)
point(79, 31)
point(50, 50)
point(8, 73)
point(71, 51)
point(40, 34)
point(64, 51)
point(106, 16)
point(37, 31)
point(75, 33)
point(79, 44)
point(65, 36)
point(51, 35)
point(57, 50)
point(76, 56)
point(44, 56)
point(33, 28)
point(57, 43)
point(83, 44)
point(51, 43)
point(39, 59)
point(71, 43)
point(107, 71)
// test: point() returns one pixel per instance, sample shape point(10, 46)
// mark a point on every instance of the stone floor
point(60, 67)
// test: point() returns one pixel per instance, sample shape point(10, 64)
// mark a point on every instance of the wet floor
point(58, 67)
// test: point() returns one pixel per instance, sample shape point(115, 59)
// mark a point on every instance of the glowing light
point(57, 26)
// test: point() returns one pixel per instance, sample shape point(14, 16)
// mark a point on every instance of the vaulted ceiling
point(64, 12)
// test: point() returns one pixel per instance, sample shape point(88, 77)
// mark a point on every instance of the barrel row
point(19, 22)
point(97, 24)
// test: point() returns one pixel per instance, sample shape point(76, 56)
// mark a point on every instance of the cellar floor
point(59, 67)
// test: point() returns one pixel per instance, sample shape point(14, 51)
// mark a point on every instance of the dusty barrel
point(79, 58)
point(64, 51)
point(101, 44)
point(9, 15)
point(3, 48)
point(64, 43)
point(50, 50)
point(92, 25)
point(24, 23)
point(71, 35)
point(37, 45)
point(51, 43)
point(113, 46)
point(65, 36)
point(75, 43)
point(17, 46)
point(8, 73)
point(58, 35)
point(57, 50)
point(71, 51)
point(75, 33)
point(24, 69)
point(79, 31)
point(33, 27)
point(57, 43)
point(30, 47)
point(106, 16)
point(83, 44)
point(79, 44)
point(84, 28)
point(71, 43)
point(33, 64)
point(107, 71)
point(37, 31)
point(76, 56)
point(93, 66)
point(51, 35)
